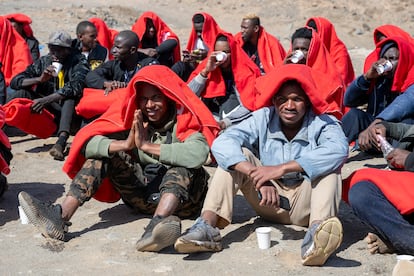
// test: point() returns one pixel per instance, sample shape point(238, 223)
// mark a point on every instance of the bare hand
point(140, 129)
point(270, 196)
point(112, 85)
point(368, 138)
point(263, 174)
point(151, 52)
point(397, 158)
point(372, 72)
point(47, 74)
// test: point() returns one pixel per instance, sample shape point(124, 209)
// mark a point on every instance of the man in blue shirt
point(298, 153)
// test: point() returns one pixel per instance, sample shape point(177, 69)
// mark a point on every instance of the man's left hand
point(261, 175)
point(39, 104)
point(397, 158)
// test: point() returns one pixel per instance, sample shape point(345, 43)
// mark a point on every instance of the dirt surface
point(103, 236)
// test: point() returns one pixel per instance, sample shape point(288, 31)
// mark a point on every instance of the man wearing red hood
point(21, 23)
point(286, 160)
point(389, 95)
point(151, 145)
point(263, 49)
point(226, 85)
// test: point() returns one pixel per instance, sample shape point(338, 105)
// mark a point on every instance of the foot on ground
point(376, 245)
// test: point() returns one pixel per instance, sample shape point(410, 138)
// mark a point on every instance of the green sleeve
point(98, 147)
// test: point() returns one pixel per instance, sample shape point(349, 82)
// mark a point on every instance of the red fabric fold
point(208, 34)
point(270, 50)
point(312, 81)
point(14, 53)
point(388, 31)
point(163, 31)
point(192, 116)
point(106, 35)
point(18, 114)
point(320, 60)
point(4, 167)
point(94, 102)
point(336, 48)
point(397, 186)
point(244, 70)
point(22, 19)
point(403, 76)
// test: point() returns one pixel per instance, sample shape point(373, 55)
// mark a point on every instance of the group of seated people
point(278, 124)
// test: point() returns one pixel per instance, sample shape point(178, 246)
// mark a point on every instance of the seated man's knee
point(358, 194)
point(176, 181)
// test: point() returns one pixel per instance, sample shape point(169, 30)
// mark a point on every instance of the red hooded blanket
point(336, 48)
point(4, 140)
point(14, 52)
point(271, 52)
point(311, 81)
point(163, 31)
point(387, 31)
point(244, 70)
point(320, 60)
point(192, 116)
point(208, 34)
point(22, 19)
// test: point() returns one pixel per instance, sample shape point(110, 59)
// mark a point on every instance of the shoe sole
point(327, 239)
point(163, 235)
point(43, 224)
point(193, 246)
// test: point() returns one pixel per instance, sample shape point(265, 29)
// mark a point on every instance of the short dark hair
point(222, 38)
point(198, 18)
point(302, 33)
point(131, 38)
point(80, 29)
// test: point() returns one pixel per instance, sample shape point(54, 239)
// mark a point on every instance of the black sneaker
point(45, 216)
point(159, 234)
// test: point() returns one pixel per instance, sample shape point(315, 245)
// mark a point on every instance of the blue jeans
point(354, 122)
point(373, 208)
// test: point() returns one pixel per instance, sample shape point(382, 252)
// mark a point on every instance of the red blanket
point(106, 36)
point(271, 52)
point(387, 31)
point(163, 31)
point(94, 103)
point(18, 114)
point(336, 48)
point(312, 82)
point(4, 167)
point(192, 116)
point(208, 34)
point(22, 19)
point(14, 53)
point(397, 186)
point(244, 70)
point(320, 60)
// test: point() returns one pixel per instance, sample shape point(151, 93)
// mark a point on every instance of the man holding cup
point(54, 82)
point(286, 160)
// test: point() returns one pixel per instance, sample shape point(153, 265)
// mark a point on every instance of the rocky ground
point(102, 238)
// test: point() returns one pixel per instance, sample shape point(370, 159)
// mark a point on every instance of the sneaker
point(321, 240)
point(201, 237)
point(159, 234)
point(45, 216)
point(57, 152)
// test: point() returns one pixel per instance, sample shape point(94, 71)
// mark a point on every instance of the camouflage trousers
point(127, 177)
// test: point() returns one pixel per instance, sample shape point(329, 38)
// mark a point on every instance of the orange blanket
point(94, 103)
point(244, 70)
point(208, 34)
point(163, 31)
point(192, 116)
point(18, 114)
point(14, 52)
point(22, 19)
point(271, 52)
point(397, 186)
point(336, 48)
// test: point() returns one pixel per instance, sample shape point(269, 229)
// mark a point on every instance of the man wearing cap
point(58, 92)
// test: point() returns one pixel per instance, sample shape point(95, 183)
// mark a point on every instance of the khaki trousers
point(309, 201)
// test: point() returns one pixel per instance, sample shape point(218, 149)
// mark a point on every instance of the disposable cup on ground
point(405, 258)
point(263, 237)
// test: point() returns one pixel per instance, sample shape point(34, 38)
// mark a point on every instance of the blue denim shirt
point(320, 147)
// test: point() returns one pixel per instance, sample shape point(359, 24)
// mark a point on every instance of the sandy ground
point(102, 238)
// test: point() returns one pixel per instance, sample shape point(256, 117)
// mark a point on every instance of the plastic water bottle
point(386, 147)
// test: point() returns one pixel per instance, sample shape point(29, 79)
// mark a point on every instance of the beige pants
point(309, 201)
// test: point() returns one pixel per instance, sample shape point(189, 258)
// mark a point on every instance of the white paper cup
point(57, 66)
point(22, 215)
point(263, 237)
point(405, 258)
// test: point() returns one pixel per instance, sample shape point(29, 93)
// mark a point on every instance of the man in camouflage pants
point(153, 170)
